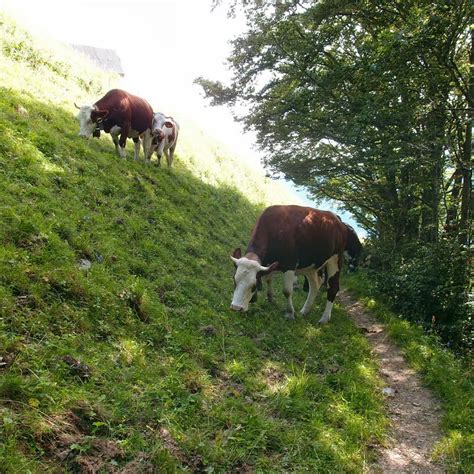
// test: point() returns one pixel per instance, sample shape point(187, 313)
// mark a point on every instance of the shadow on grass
point(125, 268)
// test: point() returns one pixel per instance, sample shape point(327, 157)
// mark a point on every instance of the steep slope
point(117, 350)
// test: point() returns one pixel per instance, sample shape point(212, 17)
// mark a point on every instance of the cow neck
point(257, 247)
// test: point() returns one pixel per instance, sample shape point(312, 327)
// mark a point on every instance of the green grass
point(150, 320)
point(136, 362)
point(450, 378)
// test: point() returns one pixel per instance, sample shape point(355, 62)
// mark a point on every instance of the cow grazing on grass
point(296, 241)
point(120, 114)
point(164, 132)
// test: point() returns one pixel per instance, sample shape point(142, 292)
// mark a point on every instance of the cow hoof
point(289, 315)
point(323, 321)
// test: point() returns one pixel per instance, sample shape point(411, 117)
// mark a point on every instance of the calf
point(295, 240)
point(118, 113)
point(164, 132)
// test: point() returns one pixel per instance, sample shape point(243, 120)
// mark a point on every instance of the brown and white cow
point(164, 132)
point(119, 113)
point(295, 240)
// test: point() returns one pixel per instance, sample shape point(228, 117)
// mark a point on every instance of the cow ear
point(168, 124)
point(237, 253)
point(266, 270)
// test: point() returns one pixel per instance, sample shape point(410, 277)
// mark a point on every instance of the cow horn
point(235, 260)
point(270, 268)
point(77, 107)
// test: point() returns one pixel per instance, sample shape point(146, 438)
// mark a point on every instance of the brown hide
point(297, 237)
point(123, 109)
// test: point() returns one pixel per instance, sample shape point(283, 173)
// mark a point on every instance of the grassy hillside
point(117, 350)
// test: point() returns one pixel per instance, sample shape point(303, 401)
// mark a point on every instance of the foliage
point(133, 362)
point(450, 378)
point(368, 104)
point(427, 289)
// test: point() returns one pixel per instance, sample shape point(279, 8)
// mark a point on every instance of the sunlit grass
point(135, 361)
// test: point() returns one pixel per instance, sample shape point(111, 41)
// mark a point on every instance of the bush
point(427, 283)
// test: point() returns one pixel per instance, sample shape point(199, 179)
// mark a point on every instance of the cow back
point(297, 237)
point(123, 106)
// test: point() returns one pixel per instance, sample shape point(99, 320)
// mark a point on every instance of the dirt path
point(414, 412)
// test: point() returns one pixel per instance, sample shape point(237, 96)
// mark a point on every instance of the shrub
point(427, 283)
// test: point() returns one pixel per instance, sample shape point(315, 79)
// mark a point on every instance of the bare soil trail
point(413, 410)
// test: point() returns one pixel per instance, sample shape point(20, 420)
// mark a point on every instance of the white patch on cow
point(245, 279)
point(310, 269)
point(332, 265)
point(85, 122)
point(115, 132)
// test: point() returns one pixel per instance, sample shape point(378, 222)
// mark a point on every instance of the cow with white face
point(164, 131)
point(118, 113)
point(295, 240)
point(245, 279)
point(90, 119)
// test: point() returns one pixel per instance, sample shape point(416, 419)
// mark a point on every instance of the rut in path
point(414, 412)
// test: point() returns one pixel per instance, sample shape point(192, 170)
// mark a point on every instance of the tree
point(365, 102)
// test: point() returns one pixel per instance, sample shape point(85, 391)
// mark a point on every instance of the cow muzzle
point(234, 307)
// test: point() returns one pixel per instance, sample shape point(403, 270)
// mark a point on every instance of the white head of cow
point(245, 280)
point(159, 121)
point(89, 117)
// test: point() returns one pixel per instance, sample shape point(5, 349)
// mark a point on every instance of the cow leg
point(314, 281)
point(171, 153)
point(147, 146)
point(169, 158)
point(288, 280)
point(159, 152)
point(115, 132)
point(333, 271)
point(123, 138)
point(136, 144)
point(268, 279)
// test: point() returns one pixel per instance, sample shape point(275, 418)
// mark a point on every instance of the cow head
point(89, 117)
point(245, 279)
point(159, 125)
